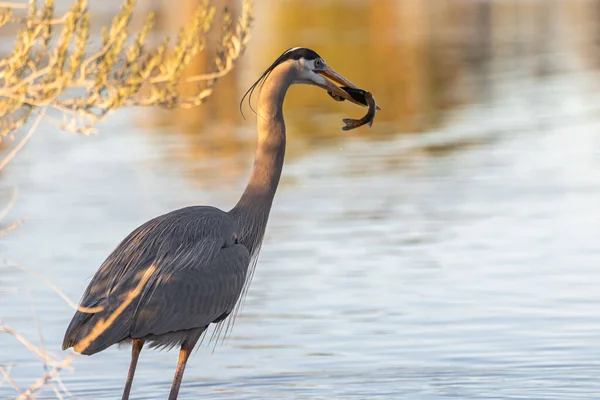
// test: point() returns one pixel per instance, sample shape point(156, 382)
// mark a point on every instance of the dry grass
point(52, 65)
point(53, 366)
point(49, 373)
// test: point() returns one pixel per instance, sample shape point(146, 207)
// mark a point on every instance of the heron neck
point(252, 210)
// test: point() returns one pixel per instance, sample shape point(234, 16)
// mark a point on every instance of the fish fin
point(349, 124)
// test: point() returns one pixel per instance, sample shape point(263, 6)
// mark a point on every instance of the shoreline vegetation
point(54, 75)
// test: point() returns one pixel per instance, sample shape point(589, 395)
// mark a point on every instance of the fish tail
point(349, 124)
point(348, 121)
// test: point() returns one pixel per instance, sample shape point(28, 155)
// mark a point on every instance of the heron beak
point(330, 77)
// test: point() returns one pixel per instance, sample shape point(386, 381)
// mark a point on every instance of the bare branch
point(39, 331)
point(11, 227)
point(11, 203)
point(6, 377)
point(30, 346)
point(47, 377)
point(52, 286)
point(23, 141)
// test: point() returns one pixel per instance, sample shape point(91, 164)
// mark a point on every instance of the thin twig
point(43, 380)
point(62, 386)
point(57, 392)
point(7, 377)
point(31, 347)
point(25, 139)
point(8, 368)
point(71, 303)
point(12, 227)
point(11, 203)
point(39, 331)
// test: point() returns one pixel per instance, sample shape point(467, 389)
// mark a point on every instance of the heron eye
point(318, 63)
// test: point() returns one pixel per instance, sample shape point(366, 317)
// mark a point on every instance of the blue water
point(457, 264)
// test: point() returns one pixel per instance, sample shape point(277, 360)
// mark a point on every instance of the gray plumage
point(201, 272)
point(204, 257)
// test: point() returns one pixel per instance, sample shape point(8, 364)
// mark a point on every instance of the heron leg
point(184, 354)
point(136, 348)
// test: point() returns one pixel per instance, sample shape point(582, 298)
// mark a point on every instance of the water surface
point(456, 264)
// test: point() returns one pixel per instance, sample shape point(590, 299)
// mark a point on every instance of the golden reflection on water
point(410, 54)
point(417, 57)
point(384, 47)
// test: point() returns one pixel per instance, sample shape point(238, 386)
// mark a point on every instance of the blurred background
point(450, 251)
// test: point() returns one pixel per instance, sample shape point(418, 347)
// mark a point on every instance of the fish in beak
point(347, 90)
point(331, 82)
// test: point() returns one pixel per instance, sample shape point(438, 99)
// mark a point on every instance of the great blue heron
point(202, 258)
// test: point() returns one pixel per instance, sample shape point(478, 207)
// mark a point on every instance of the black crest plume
point(294, 53)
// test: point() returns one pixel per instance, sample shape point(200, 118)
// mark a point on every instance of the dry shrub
point(47, 72)
point(52, 65)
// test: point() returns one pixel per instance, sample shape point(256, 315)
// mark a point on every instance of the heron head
point(309, 68)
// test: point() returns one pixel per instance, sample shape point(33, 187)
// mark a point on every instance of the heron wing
point(192, 295)
point(171, 233)
point(193, 251)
